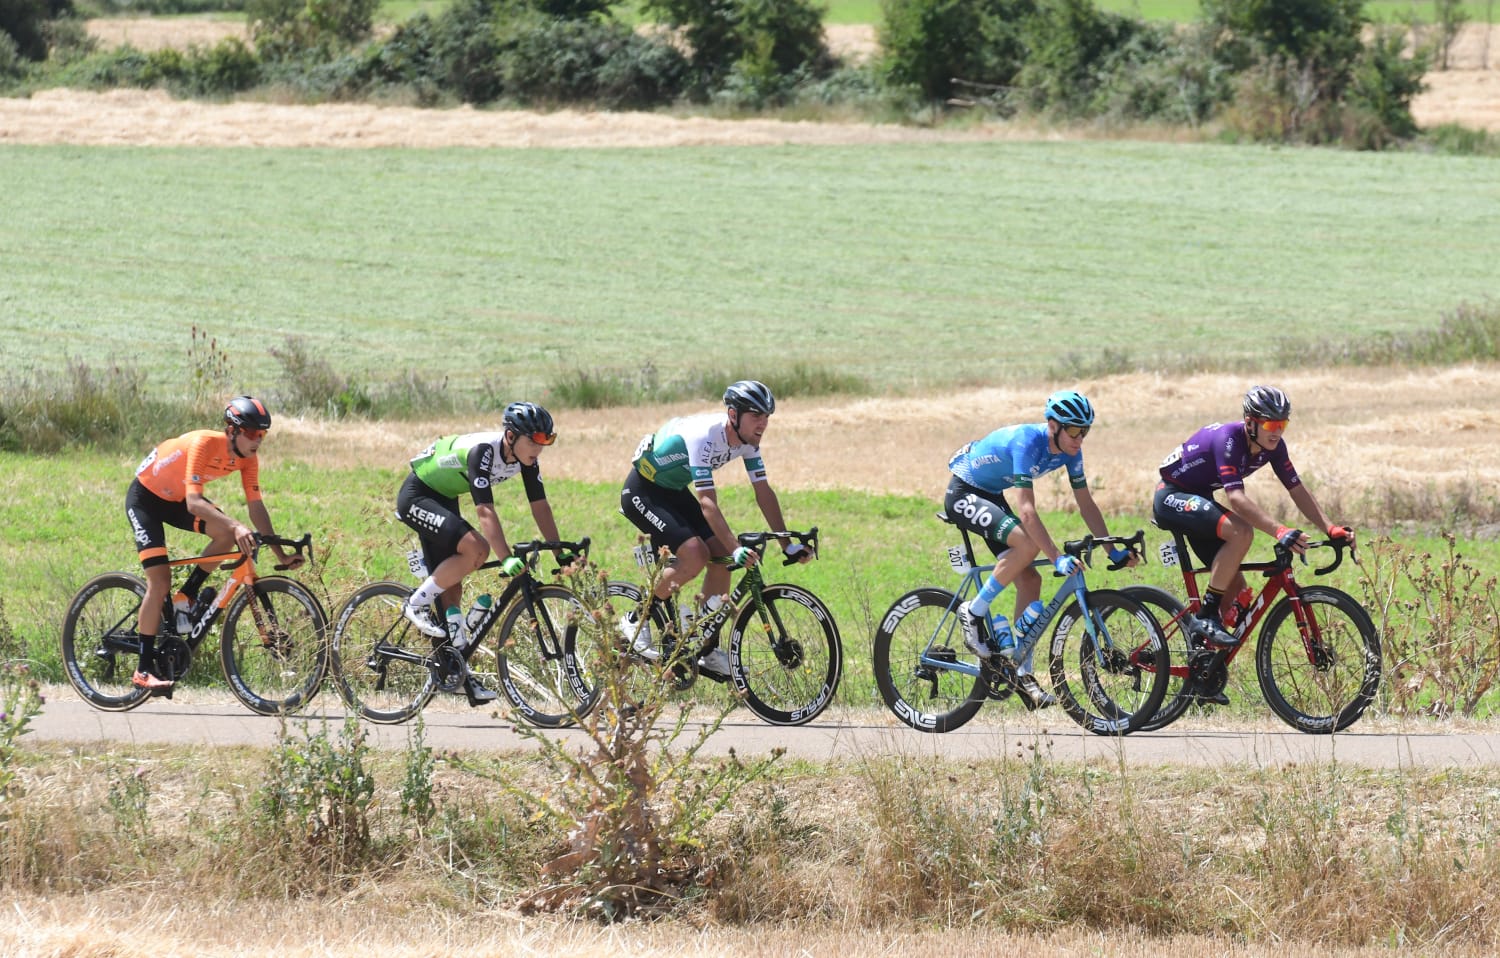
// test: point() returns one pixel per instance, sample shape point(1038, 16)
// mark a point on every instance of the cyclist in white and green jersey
point(670, 496)
point(428, 502)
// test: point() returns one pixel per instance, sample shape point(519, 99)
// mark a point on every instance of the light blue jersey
point(1013, 457)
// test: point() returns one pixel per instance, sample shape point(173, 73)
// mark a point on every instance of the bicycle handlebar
point(298, 546)
point(1284, 555)
point(759, 540)
point(527, 551)
point(1082, 549)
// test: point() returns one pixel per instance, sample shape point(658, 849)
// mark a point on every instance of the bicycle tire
point(1166, 608)
point(927, 698)
point(105, 607)
point(1319, 697)
point(785, 655)
point(384, 689)
point(1120, 697)
point(534, 665)
point(274, 662)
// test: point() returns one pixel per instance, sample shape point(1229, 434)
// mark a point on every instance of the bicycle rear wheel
point(274, 658)
point(1109, 669)
point(785, 656)
point(378, 658)
point(535, 667)
point(100, 644)
point(1166, 608)
point(925, 695)
point(1319, 670)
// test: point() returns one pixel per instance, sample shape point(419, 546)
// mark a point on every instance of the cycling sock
point(148, 654)
point(427, 593)
point(988, 593)
point(1211, 599)
point(194, 582)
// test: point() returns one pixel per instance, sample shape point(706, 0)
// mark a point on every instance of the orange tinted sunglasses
point(1273, 425)
point(543, 438)
point(249, 433)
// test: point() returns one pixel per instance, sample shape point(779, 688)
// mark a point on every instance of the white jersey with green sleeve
point(687, 450)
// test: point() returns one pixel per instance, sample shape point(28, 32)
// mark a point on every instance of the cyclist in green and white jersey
point(670, 496)
point(451, 548)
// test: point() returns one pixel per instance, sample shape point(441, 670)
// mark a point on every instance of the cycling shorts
point(434, 517)
point(669, 516)
point(986, 514)
point(1197, 517)
point(149, 515)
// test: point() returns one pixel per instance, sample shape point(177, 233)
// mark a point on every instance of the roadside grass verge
point(1329, 854)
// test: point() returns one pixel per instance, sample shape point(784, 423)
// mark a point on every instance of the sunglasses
point(1075, 432)
point(542, 438)
point(1273, 425)
point(252, 434)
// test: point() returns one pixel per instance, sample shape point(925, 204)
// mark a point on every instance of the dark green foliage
point(943, 47)
point(546, 60)
point(1068, 44)
point(757, 36)
point(136, 8)
point(1161, 74)
point(25, 21)
point(1381, 90)
point(309, 29)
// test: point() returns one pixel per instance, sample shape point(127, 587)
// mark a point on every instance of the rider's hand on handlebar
point(1341, 532)
point(1065, 565)
point(797, 551)
point(512, 566)
point(743, 557)
point(292, 560)
point(1293, 540)
point(1121, 556)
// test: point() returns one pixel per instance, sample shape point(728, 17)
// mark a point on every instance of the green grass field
point(916, 267)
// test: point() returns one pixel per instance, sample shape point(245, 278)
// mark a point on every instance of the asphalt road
point(838, 735)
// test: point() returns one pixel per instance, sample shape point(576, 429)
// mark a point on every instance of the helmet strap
point(734, 422)
point(508, 447)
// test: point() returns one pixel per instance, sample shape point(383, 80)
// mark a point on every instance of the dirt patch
point(1469, 94)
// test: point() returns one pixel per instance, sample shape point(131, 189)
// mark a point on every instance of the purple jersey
point(1218, 457)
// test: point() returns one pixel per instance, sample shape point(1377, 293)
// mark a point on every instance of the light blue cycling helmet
point(1070, 408)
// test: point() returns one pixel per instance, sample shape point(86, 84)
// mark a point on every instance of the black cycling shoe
point(1205, 698)
point(478, 695)
point(1211, 632)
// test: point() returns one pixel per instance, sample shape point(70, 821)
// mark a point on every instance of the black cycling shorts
point(985, 514)
point(436, 519)
point(669, 516)
point(1196, 517)
point(149, 515)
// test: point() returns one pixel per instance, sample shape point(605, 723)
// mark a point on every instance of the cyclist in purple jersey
point(1011, 459)
point(1219, 457)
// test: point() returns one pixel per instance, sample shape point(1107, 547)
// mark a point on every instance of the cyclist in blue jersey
point(669, 495)
point(451, 548)
point(1219, 457)
point(1012, 459)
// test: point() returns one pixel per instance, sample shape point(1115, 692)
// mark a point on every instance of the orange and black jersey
point(182, 465)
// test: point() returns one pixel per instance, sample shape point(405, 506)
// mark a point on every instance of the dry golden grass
point(1403, 440)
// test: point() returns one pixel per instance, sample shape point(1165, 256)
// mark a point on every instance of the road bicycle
point(785, 654)
point(1106, 653)
point(1317, 658)
point(274, 658)
point(388, 671)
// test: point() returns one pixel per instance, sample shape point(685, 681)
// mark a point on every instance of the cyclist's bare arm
point(1031, 523)
point(489, 527)
point(1088, 510)
point(708, 499)
point(546, 523)
point(215, 518)
point(770, 508)
point(1309, 507)
point(261, 518)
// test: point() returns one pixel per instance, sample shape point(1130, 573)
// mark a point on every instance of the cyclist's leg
point(444, 535)
point(673, 520)
point(988, 516)
point(149, 515)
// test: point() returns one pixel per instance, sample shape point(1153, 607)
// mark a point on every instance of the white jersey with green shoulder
point(687, 450)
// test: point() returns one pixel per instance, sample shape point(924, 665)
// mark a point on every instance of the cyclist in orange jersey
point(168, 491)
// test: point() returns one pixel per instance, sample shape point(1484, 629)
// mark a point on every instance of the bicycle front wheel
point(100, 644)
point(274, 658)
point(1167, 609)
point(1109, 667)
point(917, 637)
point(1318, 660)
point(785, 655)
point(378, 658)
point(535, 665)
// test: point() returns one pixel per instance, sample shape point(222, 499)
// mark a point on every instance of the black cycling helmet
point(247, 412)
point(1070, 408)
point(750, 395)
point(529, 419)
point(1267, 402)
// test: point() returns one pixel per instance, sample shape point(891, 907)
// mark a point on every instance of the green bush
point(85, 406)
point(25, 22)
point(312, 385)
point(757, 36)
point(547, 60)
point(943, 47)
point(312, 30)
point(12, 65)
point(1068, 43)
point(1381, 89)
point(1161, 74)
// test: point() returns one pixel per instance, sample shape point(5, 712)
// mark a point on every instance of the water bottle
point(1005, 641)
point(456, 634)
point(1241, 604)
point(201, 604)
point(1028, 617)
point(182, 616)
point(482, 603)
point(687, 615)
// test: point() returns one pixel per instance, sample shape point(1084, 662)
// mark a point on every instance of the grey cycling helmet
point(247, 412)
point(1267, 402)
point(750, 395)
point(529, 419)
point(1070, 408)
